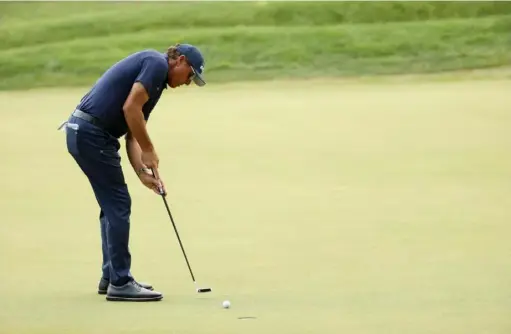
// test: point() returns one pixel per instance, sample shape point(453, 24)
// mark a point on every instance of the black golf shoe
point(131, 292)
point(103, 286)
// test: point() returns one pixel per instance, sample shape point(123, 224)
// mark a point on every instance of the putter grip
point(160, 189)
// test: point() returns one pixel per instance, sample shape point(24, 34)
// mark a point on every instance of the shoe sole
point(103, 292)
point(128, 299)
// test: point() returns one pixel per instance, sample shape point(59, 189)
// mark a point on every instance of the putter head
point(203, 290)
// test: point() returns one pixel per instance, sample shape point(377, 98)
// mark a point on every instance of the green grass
point(73, 43)
point(245, 53)
point(227, 13)
point(323, 208)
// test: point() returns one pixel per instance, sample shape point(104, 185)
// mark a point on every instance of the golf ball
point(226, 304)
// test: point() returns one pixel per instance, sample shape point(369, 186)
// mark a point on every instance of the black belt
point(89, 118)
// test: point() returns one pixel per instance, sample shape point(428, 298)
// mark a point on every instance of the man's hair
point(172, 52)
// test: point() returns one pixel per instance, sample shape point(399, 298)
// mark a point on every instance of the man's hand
point(151, 182)
point(150, 160)
point(145, 174)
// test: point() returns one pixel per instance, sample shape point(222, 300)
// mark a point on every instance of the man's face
point(181, 73)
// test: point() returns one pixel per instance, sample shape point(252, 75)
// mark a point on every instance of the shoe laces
point(137, 286)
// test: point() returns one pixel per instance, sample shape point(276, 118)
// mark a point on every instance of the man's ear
point(181, 58)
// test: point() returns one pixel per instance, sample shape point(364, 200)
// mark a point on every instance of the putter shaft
point(162, 193)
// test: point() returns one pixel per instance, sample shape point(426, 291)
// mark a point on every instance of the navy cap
point(196, 60)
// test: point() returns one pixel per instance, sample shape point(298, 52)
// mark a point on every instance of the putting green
point(315, 207)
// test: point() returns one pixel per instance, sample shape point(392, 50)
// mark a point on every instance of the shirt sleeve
point(152, 74)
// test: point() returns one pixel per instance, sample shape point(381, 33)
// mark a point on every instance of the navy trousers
point(97, 154)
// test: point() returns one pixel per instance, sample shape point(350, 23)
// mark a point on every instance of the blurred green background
point(72, 43)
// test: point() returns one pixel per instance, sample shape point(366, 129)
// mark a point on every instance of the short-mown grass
point(325, 208)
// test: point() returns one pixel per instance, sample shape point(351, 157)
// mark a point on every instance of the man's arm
point(134, 153)
point(135, 117)
point(152, 72)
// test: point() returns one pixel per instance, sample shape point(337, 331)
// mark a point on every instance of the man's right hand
point(150, 160)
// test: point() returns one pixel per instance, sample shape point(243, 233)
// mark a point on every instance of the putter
point(199, 290)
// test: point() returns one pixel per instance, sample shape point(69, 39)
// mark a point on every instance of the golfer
point(119, 104)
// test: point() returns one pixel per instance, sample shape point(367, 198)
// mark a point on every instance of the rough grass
point(267, 52)
point(322, 208)
point(249, 13)
point(73, 43)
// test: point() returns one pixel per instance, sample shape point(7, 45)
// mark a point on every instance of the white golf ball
point(226, 304)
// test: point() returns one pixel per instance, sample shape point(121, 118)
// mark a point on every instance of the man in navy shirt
point(119, 104)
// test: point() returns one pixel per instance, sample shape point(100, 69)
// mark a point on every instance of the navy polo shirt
point(108, 95)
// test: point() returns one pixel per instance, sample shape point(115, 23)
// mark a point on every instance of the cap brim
point(198, 79)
